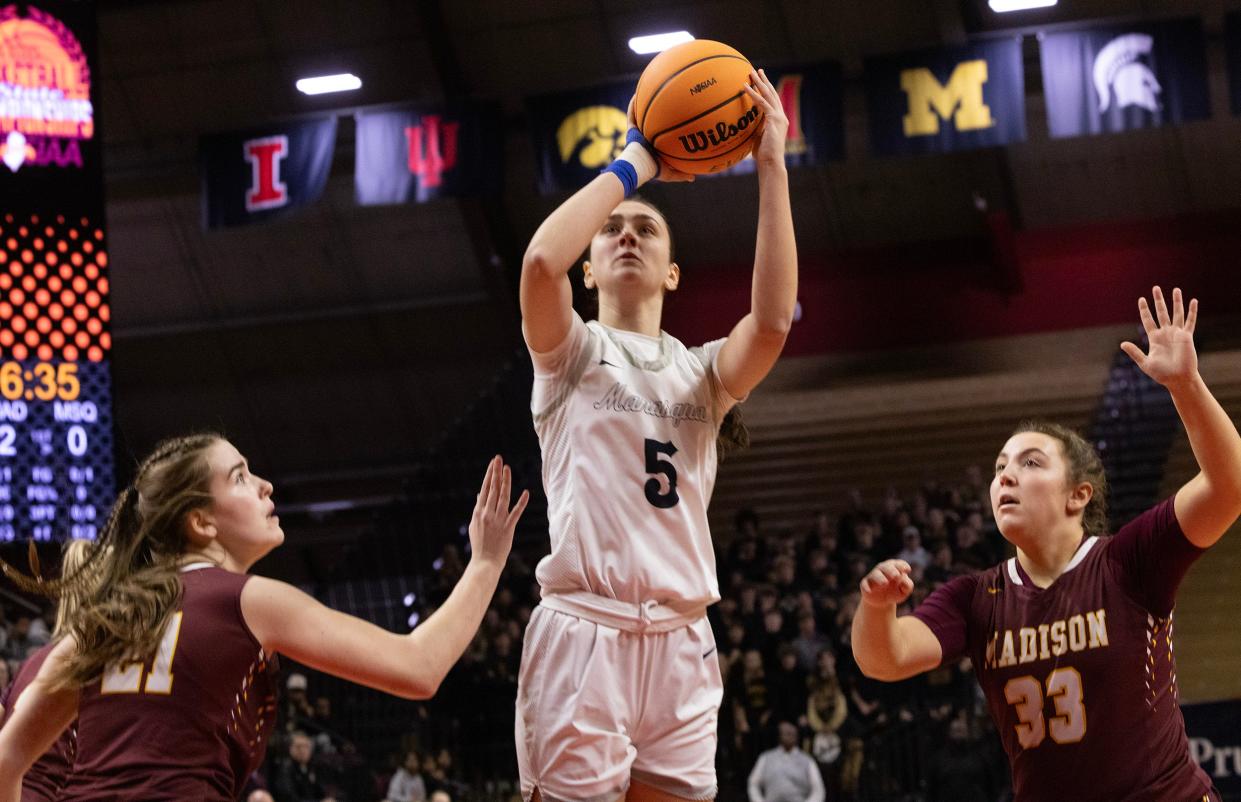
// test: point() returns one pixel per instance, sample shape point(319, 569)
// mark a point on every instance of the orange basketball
point(691, 106)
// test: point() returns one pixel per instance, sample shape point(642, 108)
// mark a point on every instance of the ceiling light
point(659, 41)
point(1001, 6)
point(322, 84)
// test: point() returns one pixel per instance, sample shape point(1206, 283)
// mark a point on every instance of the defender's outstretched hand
point(1172, 359)
point(493, 522)
point(887, 583)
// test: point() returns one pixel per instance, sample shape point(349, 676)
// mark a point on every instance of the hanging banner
point(577, 134)
point(946, 99)
point(1118, 78)
point(264, 173)
point(410, 156)
point(1232, 52)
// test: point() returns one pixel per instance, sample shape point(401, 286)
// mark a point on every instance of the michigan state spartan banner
point(946, 99)
point(1116, 78)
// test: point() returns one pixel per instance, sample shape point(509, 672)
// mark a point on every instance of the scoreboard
point(56, 437)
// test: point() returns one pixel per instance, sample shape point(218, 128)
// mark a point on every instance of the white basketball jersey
point(627, 425)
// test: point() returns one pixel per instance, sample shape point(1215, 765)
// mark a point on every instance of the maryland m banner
point(933, 101)
point(264, 173)
point(1117, 78)
point(408, 156)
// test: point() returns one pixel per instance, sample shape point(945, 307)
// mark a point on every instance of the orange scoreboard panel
point(56, 438)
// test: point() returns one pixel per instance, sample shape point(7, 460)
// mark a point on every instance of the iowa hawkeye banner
point(265, 173)
point(1117, 78)
point(577, 134)
point(945, 99)
point(411, 156)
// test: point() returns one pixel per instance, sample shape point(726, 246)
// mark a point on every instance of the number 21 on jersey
point(128, 678)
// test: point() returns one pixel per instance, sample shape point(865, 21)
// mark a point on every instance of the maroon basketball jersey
point(44, 779)
point(192, 722)
point(1080, 676)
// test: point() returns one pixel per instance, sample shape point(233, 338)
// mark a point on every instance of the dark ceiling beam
point(486, 220)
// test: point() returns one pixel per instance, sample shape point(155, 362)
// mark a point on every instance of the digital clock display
point(56, 447)
point(56, 435)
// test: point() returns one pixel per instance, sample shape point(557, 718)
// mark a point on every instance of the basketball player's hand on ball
point(493, 521)
point(1172, 359)
point(666, 173)
point(770, 147)
point(887, 583)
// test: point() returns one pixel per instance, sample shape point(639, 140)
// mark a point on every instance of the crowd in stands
point(782, 629)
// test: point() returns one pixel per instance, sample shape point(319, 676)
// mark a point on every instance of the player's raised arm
point(757, 340)
point(287, 621)
point(887, 647)
point(39, 716)
point(1208, 504)
point(546, 296)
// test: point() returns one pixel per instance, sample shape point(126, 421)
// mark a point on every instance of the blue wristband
point(625, 172)
point(634, 135)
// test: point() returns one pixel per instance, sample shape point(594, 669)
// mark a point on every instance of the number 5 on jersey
point(661, 467)
point(129, 677)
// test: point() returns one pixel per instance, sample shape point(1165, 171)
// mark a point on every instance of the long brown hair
point(1084, 465)
point(76, 554)
point(129, 585)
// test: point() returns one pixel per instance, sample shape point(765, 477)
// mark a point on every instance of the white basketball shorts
point(597, 706)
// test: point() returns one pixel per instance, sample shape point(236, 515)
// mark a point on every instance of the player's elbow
point(420, 688)
point(535, 262)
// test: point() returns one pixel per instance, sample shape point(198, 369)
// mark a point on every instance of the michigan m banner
point(934, 101)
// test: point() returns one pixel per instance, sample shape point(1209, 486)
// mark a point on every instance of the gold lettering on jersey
point(1030, 644)
point(619, 398)
point(961, 99)
point(1098, 628)
point(1059, 641)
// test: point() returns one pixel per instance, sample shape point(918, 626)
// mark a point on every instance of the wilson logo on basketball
point(698, 87)
point(721, 132)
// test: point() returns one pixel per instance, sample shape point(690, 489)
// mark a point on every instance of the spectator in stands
point(787, 685)
point(826, 712)
point(809, 642)
point(295, 779)
point(751, 702)
point(19, 643)
point(960, 770)
point(296, 708)
point(786, 773)
point(941, 568)
point(407, 784)
point(440, 795)
point(259, 795)
point(970, 552)
point(912, 550)
point(41, 627)
point(6, 675)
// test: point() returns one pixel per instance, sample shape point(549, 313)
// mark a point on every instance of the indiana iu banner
point(1232, 47)
point(1117, 78)
point(411, 156)
point(264, 173)
point(945, 99)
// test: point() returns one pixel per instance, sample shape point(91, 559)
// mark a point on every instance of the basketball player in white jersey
point(620, 687)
